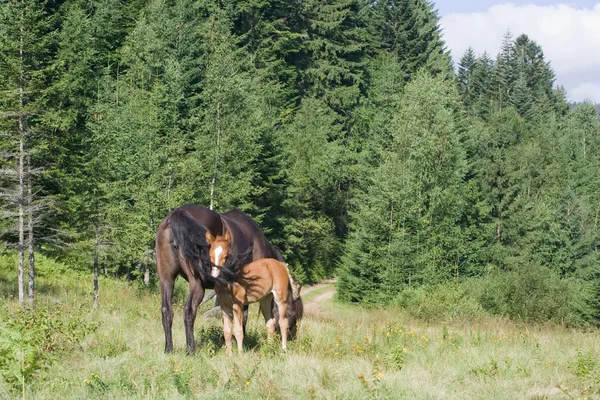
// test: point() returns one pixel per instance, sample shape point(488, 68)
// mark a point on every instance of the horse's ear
point(227, 237)
point(209, 238)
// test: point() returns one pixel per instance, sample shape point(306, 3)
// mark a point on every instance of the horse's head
point(219, 250)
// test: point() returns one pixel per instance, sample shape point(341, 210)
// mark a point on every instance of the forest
point(342, 127)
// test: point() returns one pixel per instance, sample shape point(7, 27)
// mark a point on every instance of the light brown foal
point(258, 282)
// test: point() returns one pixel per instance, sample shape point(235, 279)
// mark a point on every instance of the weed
point(96, 383)
point(489, 369)
point(585, 365)
point(20, 358)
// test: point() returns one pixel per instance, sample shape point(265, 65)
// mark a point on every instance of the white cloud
point(570, 38)
point(586, 91)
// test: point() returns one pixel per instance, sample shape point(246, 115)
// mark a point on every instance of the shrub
point(439, 301)
point(533, 293)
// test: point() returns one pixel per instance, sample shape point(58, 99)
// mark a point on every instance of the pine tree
point(410, 30)
point(407, 229)
point(309, 161)
point(466, 70)
point(27, 44)
point(336, 49)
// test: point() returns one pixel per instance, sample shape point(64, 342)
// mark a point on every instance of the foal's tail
point(295, 288)
point(190, 238)
point(295, 309)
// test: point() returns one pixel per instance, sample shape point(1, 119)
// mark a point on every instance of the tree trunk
point(21, 221)
point(146, 274)
point(498, 232)
point(30, 230)
point(96, 287)
point(21, 180)
point(214, 178)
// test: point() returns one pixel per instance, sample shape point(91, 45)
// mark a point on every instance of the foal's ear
point(209, 238)
point(227, 237)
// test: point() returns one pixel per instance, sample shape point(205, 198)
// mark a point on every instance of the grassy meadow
point(72, 351)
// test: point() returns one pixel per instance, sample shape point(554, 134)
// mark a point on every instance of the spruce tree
point(410, 30)
point(27, 43)
point(407, 229)
point(232, 115)
point(310, 162)
point(338, 44)
point(466, 70)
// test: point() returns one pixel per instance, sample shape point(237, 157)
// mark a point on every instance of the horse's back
point(205, 217)
point(168, 263)
point(246, 233)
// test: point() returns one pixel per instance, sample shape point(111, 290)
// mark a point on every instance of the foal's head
point(219, 250)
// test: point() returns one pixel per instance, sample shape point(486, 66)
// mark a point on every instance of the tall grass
point(342, 351)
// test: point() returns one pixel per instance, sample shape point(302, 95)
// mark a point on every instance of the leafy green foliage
point(19, 357)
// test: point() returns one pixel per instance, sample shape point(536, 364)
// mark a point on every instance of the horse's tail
point(295, 308)
point(190, 238)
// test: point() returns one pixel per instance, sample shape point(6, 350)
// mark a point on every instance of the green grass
point(343, 352)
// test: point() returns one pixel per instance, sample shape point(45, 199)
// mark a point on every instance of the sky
point(568, 31)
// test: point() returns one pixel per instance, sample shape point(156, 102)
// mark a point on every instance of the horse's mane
point(190, 239)
point(230, 271)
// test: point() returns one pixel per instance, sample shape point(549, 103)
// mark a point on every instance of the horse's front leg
point(190, 310)
point(227, 322)
point(238, 329)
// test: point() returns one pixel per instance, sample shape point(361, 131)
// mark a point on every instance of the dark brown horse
point(181, 249)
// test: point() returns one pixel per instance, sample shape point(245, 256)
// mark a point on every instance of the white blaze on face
point(218, 252)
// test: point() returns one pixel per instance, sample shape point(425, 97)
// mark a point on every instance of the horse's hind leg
point(190, 310)
point(265, 308)
point(166, 289)
point(167, 269)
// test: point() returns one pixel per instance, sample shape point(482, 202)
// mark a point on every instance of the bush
point(534, 293)
point(439, 302)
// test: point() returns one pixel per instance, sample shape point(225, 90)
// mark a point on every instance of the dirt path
point(312, 305)
point(308, 289)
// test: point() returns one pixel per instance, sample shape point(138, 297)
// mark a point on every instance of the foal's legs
point(189, 312)
point(280, 299)
point(238, 330)
point(227, 322)
point(265, 308)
